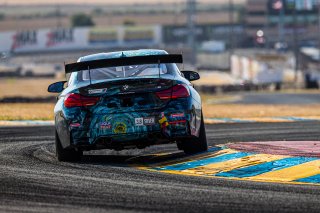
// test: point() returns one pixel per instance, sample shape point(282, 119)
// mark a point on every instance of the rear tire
point(66, 155)
point(196, 145)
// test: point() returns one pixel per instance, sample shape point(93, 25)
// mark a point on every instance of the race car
point(124, 100)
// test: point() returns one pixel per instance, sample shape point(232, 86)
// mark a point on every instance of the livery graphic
point(120, 128)
point(105, 125)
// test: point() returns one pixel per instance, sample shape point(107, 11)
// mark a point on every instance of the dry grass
point(215, 78)
point(217, 109)
point(11, 87)
point(26, 111)
point(259, 111)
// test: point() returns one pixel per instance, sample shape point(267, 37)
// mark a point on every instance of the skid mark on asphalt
point(223, 162)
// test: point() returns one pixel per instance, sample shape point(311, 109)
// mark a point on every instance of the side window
point(173, 69)
point(72, 78)
point(178, 71)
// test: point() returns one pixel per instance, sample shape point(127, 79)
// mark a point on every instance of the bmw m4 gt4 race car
point(124, 100)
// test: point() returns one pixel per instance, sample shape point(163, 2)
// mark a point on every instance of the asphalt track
point(277, 98)
point(31, 179)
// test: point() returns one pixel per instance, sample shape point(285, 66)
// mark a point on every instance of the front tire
point(196, 145)
point(66, 155)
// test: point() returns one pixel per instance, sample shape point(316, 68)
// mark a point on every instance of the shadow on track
point(127, 160)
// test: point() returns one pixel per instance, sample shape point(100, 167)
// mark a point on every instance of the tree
point(81, 20)
point(2, 16)
point(128, 23)
point(97, 11)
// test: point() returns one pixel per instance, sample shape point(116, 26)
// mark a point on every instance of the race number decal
point(139, 121)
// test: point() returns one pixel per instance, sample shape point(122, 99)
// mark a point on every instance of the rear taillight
point(77, 100)
point(177, 91)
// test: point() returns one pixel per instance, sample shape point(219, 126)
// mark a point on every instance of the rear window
point(133, 71)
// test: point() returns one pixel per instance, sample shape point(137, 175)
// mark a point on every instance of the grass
point(21, 111)
point(217, 106)
point(11, 87)
point(259, 111)
point(214, 106)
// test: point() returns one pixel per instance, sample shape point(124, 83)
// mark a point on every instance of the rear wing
point(124, 61)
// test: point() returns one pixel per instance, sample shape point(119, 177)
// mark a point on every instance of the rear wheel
point(66, 154)
point(196, 145)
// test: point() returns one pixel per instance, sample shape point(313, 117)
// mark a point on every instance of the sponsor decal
point(75, 125)
point(145, 121)
point(96, 91)
point(25, 38)
point(120, 128)
point(105, 125)
point(142, 34)
point(59, 36)
point(125, 87)
point(177, 115)
point(148, 121)
point(103, 36)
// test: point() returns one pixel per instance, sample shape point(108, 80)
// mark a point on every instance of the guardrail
point(211, 89)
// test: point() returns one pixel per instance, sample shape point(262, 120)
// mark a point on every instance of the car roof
point(119, 54)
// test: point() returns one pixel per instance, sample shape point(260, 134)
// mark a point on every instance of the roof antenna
point(65, 73)
point(89, 75)
point(159, 67)
point(182, 60)
point(123, 69)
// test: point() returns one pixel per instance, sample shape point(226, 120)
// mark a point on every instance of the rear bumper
point(141, 141)
point(112, 130)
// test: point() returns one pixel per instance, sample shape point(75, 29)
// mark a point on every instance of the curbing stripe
point(206, 161)
point(27, 123)
point(311, 179)
point(231, 164)
point(265, 167)
point(251, 160)
point(292, 173)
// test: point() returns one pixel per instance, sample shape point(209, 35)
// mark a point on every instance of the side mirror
point(191, 75)
point(57, 87)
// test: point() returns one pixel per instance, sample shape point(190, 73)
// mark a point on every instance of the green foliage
point(2, 16)
point(128, 23)
point(81, 20)
point(241, 12)
point(98, 11)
